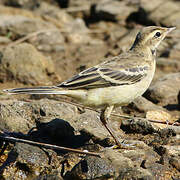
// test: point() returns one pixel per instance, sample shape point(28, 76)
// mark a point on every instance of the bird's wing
point(115, 72)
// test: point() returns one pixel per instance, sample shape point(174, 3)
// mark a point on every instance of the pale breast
point(118, 95)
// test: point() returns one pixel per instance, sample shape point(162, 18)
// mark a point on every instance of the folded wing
point(106, 76)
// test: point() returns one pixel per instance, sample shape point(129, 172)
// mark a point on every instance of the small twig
point(48, 146)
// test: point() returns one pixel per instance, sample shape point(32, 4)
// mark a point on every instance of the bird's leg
point(104, 117)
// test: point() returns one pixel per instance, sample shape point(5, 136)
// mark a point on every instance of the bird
point(116, 81)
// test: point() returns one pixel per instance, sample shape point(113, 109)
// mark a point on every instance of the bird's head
point(151, 37)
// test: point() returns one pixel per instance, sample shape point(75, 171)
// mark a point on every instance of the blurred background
point(45, 42)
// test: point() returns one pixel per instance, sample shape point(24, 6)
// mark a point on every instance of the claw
point(123, 145)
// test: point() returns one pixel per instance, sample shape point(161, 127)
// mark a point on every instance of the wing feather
point(98, 78)
point(118, 71)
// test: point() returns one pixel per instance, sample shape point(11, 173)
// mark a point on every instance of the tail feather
point(36, 90)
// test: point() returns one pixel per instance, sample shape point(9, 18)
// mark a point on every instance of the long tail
point(36, 90)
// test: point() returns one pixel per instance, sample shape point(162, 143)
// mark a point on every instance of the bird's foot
point(125, 145)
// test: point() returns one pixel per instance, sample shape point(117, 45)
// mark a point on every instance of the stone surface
point(27, 4)
point(124, 166)
point(48, 41)
point(114, 10)
point(169, 65)
point(91, 168)
point(19, 25)
point(14, 119)
point(31, 162)
point(175, 53)
point(143, 105)
point(175, 162)
point(165, 12)
point(159, 115)
point(165, 90)
point(23, 63)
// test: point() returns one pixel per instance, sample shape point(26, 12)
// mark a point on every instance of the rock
point(159, 115)
point(4, 40)
point(175, 162)
point(151, 111)
point(49, 177)
point(91, 168)
point(55, 120)
point(143, 105)
point(124, 167)
point(165, 90)
point(54, 15)
point(169, 65)
point(81, 8)
point(48, 41)
point(112, 165)
point(26, 4)
point(29, 161)
point(20, 25)
point(172, 150)
point(150, 6)
point(78, 33)
point(164, 12)
point(175, 52)
point(25, 64)
point(138, 125)
point(13, 117)
point(50, 117)
point(169, 6)
point(114, 10)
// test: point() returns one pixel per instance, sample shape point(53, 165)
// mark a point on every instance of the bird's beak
point(171, 29)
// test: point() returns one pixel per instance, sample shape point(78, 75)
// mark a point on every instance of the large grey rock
point(27, 4)
point(54, 14)
point(162, 11)
point(25, 64)
point(169, 65)
point(51, 40)
point(29, 162)
point(20, 25)
point(91, 168)
point(124, 167)
point(165, 90)
point(175, 52)
point(13, 117)
point(114, 10)
point(17, 23)
point(175, 162)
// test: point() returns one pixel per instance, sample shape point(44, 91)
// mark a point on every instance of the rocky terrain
point(45, 42)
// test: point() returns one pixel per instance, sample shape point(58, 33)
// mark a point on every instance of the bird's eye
point(158, 34)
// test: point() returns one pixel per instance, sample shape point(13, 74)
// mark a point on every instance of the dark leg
point(104, 116)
